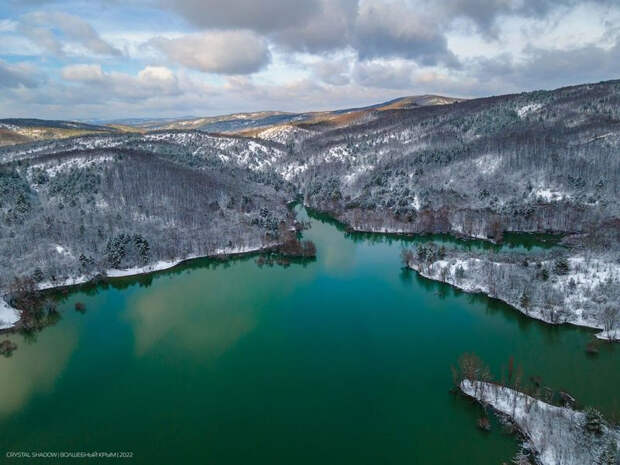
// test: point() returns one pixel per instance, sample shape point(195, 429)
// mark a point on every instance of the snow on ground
point(579, 304)
point(527, 109)
point(158, 266)
point(488, 164)
point(547, 194)
point(8, 315)
point(290, 170)
point(556, 434)
point(62, 250)
point(167, 264)
point(52, 168)
point(611, 335)
point(361, 169)
point(244, 152)
point(587, 274)
point(337, 153)
point(283, 134)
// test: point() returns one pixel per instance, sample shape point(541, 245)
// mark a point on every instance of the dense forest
point(85, 211)
point(540, 161)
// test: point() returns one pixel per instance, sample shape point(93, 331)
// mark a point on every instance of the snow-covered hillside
point(533, 162)
point(558, 436)
point(555, 287)
point(284, 134)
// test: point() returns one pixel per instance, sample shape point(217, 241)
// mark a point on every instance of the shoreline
point(601, 334)
point(553, 434)
point(558, 236)
point(536, 315)
point(162, 265)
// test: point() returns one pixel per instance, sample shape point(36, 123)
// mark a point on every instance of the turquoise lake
point(345, 360)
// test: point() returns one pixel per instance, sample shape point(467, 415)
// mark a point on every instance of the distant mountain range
point(18, 131)
point(239, 122)
point(21, 130)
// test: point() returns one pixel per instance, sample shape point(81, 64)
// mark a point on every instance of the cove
point(345, 359)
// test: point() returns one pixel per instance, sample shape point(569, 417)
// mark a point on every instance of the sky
point(109, 59)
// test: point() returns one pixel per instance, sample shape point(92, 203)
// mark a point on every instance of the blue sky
point(105, 59)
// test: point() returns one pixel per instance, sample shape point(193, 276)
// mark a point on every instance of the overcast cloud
point(106, 59)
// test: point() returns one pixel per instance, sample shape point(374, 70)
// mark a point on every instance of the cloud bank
point(104, 58)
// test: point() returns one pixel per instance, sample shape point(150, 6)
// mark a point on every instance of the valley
point(511, 198)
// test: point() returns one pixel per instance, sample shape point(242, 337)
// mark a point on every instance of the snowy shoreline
point(9, 316)
point(445, 271)
point(558, 435)
point(454, 233)
point(577, 316)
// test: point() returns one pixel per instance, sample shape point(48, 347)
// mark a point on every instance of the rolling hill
point(21, 130)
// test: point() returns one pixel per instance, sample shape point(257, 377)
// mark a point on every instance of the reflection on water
point(207, 313)
point(34, 367)
point(513, 242)
point(194, 316)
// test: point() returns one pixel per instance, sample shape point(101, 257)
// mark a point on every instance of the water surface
point(345, 359)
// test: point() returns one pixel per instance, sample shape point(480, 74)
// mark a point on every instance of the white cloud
point(156, 74)
point(280, 54)
point(263, 15)
point(7, 25)
point(150, 82)
point(225, 52)
point(57, 32)
point(332, 71)
point(83, 73)
point(389, 29)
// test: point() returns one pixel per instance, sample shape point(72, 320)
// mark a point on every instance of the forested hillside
point(541, 161)
point(578, 284)
point(84, 206)
point(20, 130)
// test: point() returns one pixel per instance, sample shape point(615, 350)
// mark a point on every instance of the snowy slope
point(8, 315)
point(557, 434)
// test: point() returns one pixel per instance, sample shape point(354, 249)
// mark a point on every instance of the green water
point(342, 360)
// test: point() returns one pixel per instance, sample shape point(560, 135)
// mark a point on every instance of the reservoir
point(345, 359)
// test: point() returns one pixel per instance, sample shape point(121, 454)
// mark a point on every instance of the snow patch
point(488, 164)
point(62, 251)
point(578, 305)
point(548, 194)
point(527, 109)
point(52, 168)
point(8, 315)
point(283, 134)
point(557, 434)
point(158, 266)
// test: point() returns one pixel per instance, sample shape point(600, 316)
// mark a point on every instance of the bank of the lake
point(343, 359)
point(9, 316)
